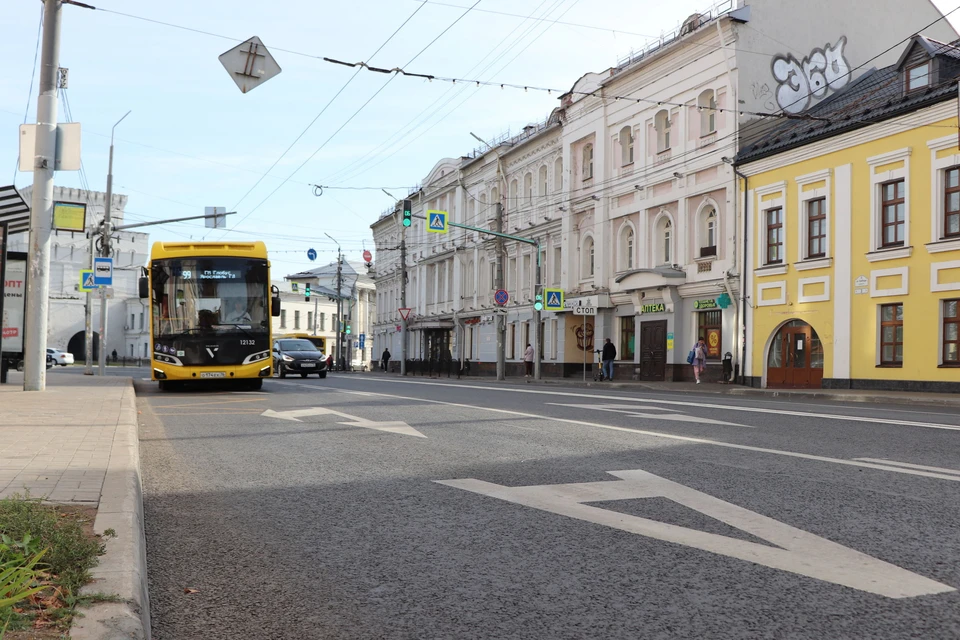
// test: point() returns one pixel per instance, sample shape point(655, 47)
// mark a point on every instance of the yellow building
point(853, 234)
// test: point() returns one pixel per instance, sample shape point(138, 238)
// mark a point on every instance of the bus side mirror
point(275, 306)
point(144, 288)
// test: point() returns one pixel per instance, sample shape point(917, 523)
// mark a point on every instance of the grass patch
point(64, 535)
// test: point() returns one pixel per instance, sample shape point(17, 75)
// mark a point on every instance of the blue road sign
point(103, 272)
point(501, 297)
point(363, 340)
point(554, 299)
point(437, 221)
point(312, 254)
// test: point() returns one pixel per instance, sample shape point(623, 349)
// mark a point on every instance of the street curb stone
point(123, 568)
point(863, 397)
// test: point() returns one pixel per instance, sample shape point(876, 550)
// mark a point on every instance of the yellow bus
point(210, 309)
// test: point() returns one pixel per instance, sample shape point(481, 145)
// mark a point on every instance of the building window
point(951, 326)
point(514, 187)
point(951, 210)
point(774, 236)
point(626, 249)
point(323, 322)
point(661, 123)
point(542, 180)
point(296, 319)
point(891, 335)
point(131, 350)
point(310, 325)
point(627, 338)
point(588, 162)
point(557, 264)
point(141, 321)
point(710, 328)
point(817, 228)
point(511, 340)
point(893, 213)
point(528, 187)
point(664, 249)
point(707, 104)
point(283, 318)
point(918, 77)
point(587, 259)
point(146, 352)
point(558, 175)
point(132, 318)
point(708, 233)
point(626, 146)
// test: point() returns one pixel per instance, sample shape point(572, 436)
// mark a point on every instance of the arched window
point(626, 146)
point(626, 248)
point(708, 232)
point(542, 181)
point(513, 195)
point(558, 175)
point(484, 287)
point(707, 103)
point(664, 250)
point(494, 196)
point(587, 162)
point(528, 187)
point(661, 123)
point(587, 263)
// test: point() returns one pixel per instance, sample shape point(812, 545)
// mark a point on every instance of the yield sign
point(404, 312)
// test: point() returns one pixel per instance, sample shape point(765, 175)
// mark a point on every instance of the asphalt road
point(371, 507)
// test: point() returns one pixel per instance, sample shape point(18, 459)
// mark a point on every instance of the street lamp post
point(106, 232)
point(339, 302)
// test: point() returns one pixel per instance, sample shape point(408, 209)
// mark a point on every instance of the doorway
point(795, 358)
point(653, 350)
point(436, 344)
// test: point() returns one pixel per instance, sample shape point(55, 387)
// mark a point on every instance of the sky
point(193, 139)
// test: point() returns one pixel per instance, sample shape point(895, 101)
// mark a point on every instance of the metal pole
point(403, 300)
point(3, 280)
point(537, 332)
point(583, 328)
point(501, 317)
point(41, 218)
point(88, 320)
point(106, 232)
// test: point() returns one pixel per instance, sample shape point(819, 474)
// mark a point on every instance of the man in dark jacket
point(385, 359)
point(608, 355)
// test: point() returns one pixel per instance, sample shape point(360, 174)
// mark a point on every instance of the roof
point(874, 97)
point(13, 210)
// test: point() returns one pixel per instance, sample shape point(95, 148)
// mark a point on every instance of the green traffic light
point(406, 222)
point(538, 306)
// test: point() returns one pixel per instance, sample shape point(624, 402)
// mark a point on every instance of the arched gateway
point(795, 357)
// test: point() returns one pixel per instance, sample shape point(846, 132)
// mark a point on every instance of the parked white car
point(61, 358)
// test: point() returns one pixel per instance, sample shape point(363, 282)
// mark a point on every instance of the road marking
point(631, 410)
point(671, 436)
point(908, 465)
point(391, 426)
point(691, 404)
point(206, 403)
point(800, 552)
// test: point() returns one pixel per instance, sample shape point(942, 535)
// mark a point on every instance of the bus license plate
point(308, 365)
point(213, 374)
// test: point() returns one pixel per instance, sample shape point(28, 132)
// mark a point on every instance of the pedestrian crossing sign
point(86, 280)
point(437, 221)
point(554, 299)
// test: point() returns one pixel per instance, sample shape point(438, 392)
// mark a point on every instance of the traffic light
point(306, 292)
point(538, 305)
point(348, 330)
point(407, 213)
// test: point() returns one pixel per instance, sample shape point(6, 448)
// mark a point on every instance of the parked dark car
point(298, 356)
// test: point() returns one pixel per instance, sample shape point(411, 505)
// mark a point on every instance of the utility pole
point(537, 332)
point(403, 300)
point(106, 232)
point(88, 318)
point(340, 333)
point(501, 317)
point(41, 217)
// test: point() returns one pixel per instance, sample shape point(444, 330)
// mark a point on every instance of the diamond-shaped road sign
point(250, 64)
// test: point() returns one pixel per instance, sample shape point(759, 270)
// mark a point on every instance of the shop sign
point(657, 307)
point(705, 304)
point(713, 343)
point(470, 321)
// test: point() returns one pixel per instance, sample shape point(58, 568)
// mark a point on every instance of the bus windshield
point(209, 296)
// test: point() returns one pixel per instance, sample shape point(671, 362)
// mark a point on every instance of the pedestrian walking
point(528, 361)
point(699, 358)
point(385, 359)
point(608, 355)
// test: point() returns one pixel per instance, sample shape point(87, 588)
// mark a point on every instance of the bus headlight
point(256, 357)
point(167, 359)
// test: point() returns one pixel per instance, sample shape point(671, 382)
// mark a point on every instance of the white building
point(316, 317)
point(69, 253)
point(358, 291)
point(629, 191)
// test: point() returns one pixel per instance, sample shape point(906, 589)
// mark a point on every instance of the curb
point(123, 568)
point(847, 397)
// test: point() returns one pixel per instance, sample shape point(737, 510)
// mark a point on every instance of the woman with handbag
point(699, 358)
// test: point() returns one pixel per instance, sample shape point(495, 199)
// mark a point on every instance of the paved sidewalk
point(833, 395)
point(77, 442)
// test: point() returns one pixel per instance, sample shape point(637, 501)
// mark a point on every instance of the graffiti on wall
point(800, 82)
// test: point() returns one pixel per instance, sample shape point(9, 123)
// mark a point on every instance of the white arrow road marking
point(391, 426)
point(631, 410)
point(800, 552)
